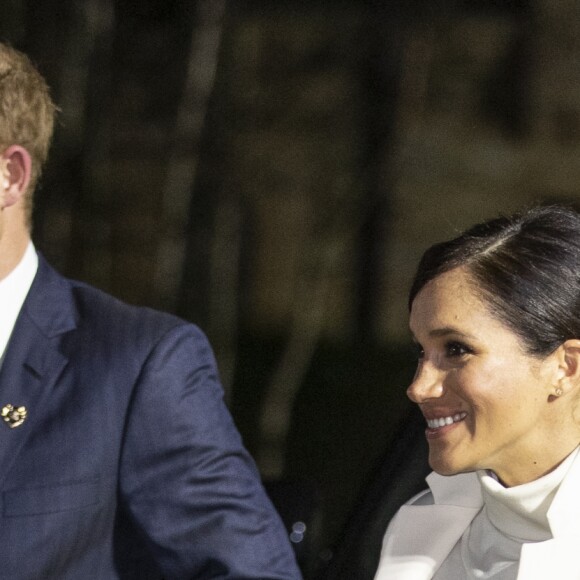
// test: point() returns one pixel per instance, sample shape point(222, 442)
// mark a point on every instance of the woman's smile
point(436, 426)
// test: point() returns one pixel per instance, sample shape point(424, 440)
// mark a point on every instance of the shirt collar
point(13, 291)
point(522, 511)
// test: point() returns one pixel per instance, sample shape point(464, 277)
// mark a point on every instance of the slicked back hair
point(525, 268)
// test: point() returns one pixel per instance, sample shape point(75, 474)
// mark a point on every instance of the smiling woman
point(495, 314)
point(488, 403)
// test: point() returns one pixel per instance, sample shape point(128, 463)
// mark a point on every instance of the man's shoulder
point(92, 301)
point(96, 311)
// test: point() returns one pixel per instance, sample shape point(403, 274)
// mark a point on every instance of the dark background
point(273, 170)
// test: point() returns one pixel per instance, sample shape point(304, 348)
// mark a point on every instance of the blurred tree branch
point(178, 190)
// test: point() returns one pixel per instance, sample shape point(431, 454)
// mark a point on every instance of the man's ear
point(15, 174)
point(567, 376)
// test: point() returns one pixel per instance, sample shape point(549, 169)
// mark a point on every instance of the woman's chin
point(446, 466)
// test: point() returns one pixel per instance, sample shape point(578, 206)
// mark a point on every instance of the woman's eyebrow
point(447, 330)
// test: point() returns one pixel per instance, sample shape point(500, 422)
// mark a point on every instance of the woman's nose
point(427, 384)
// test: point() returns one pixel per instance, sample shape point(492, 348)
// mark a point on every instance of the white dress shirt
point(13, 291)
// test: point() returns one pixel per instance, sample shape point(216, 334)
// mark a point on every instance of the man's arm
point(185, 478)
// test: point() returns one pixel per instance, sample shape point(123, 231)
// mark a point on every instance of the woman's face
point(486, 402)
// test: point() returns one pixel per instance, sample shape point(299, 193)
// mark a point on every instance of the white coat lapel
point(421, 536)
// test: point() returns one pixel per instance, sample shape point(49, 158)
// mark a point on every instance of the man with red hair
point(118, 458)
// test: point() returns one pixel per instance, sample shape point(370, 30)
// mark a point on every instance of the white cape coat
point(424, 531)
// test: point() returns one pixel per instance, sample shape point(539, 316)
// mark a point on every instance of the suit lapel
point(33, 361)
point(430, 531)
point(422, 534)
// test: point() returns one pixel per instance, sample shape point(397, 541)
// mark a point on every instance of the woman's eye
point(456, 349)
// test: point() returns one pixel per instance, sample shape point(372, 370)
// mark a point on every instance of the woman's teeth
point(442, 421)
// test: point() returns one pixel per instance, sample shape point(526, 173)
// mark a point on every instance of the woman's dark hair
point(526, 268)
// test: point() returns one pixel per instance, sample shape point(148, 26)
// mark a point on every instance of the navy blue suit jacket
point(128, 465)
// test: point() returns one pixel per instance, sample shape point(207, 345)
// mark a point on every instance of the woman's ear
point(567, 376)
point(15, 175)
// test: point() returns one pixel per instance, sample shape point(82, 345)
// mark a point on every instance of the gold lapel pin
point(13, 416)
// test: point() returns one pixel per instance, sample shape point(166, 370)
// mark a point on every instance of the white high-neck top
point(13, 291)
point(511, 516)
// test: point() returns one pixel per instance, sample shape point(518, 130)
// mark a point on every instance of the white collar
point(13, 291)
point(522, 511)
